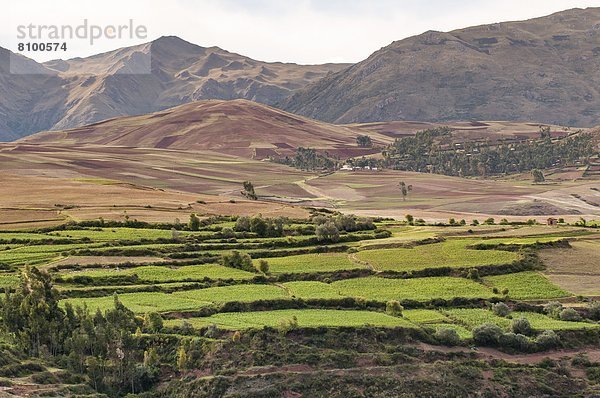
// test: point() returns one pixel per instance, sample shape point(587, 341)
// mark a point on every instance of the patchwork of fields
point(442, 276)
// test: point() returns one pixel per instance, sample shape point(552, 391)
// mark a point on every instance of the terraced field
point(305, 318)
point(452, 253)
point(307, 263)
point(526, 286)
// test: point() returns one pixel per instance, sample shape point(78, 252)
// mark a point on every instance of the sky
point(300, 31)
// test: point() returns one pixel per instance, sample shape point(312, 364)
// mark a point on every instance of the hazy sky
point(302, 31)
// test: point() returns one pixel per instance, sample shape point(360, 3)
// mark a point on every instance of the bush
point(238, 260)
point(521, 326)
point(515, 341)
point(327, 232)
point(548, 339)
point(569, 314)
point(263, 266)
point(501, 309)
point(447, 336)
point(594, 310)
point(553, 309)
point(487, 334)
point(394, 308)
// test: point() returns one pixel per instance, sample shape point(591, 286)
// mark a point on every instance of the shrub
point(194, 223)
point(263, 266)
point(394, 308)
point(548, 339)
point(521, 326)
point(238, 260)
point(487, 334)
point(501, 309)
point(553, 309)
point(153, 322)
point(515, 341)
point(327, 232)
point(594, 310)
point(569, 314)
point(447, 336)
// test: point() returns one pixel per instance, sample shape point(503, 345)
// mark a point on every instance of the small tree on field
point(487, 334)
point(394, 308)
point(409, 219)
point(404, 189)
point(249, 190)
point(569, 314)
point(194, 223)
point(153, 322)
point(538, 176)
point(364, 141)
point(238, 260)
point(263, 266)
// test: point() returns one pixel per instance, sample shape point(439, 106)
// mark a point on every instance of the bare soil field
point(577, 269)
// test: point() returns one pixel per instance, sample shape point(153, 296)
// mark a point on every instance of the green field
point(127, 234)
point(424, 316)
point(472, 317)
point(306, 318)
point(141, 302)
point(308, 263)
point(421, 289)
point(452, 253)
point(311, 290)
point(526, 286)
point(8, 280)
point(242, 293)
point(158, 274)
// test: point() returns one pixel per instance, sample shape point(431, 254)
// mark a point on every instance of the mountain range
point(136, 80)
point(544, 69)
point(541, 70)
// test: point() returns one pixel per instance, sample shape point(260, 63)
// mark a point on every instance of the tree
point(404, 189)
point(538, 176)
point(263, 266)
point(327, 232)
point(409, 219)
point(194, 223)
point(182, 358)
point(259, 226)
point(394, 308)
point(548, 339)
point(242, 224)
point(249, 190)
point(238, 260)
point(364, 141)
point(153, 322)
point(593, 309)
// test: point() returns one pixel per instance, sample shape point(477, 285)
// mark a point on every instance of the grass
point(526, 286)
point(518, 241)
point(424, 316)
point(309, 263)
point(311, 290)
point(452, 253)
point(421, 289)
point(154, 273)
point(21, 255)
point(306, 318)
point(242, 293)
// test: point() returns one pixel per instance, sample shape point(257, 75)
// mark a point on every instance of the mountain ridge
point(134, 80)
point(543, 69)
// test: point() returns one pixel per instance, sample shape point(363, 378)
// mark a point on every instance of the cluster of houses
point(348, 167)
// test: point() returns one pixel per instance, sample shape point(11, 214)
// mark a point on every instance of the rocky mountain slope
point(545, 69)
point(135, 80)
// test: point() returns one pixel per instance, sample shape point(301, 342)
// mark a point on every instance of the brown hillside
point(238, 127)
point(544, 69)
